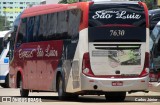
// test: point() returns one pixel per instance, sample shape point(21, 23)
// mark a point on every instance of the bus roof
point(47, 8)
point(50, 8)
point(115, 1)
point(3, 33)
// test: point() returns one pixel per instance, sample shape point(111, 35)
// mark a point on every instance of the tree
point(150, 4)
point(63, 2)
point(4, 24)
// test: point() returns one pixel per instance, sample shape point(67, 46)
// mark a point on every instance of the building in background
point(158, 2)
point(11, 8)
point(56, 1)
point(49, 1)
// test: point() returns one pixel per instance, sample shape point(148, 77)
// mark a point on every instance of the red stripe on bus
point(146, 13)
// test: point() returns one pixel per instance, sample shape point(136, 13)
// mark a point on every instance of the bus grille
point(116, 46)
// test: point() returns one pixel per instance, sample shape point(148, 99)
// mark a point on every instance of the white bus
point(4, 59)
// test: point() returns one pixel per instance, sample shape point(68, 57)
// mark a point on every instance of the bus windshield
point(124, 22)
point(1, 47)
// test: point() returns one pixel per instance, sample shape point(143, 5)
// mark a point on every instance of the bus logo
point(104, 14)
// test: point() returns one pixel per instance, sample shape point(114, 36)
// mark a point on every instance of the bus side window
point(74, 17)
point(36, 28)
point(12, 41)
point(51, 26)
point(22, 33)
point(62, 25)
point(154, 21)
point(19, 40)
point(30, 27)
point(42, 29)
point(1, 47)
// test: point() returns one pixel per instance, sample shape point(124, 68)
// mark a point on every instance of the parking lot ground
point(48, 98)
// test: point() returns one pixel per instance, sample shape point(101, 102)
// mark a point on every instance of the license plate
point(117, 83)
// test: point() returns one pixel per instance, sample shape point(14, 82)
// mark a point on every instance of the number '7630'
point(117, 32)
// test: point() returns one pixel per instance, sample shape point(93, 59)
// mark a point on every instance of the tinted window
point(153, 21)
point(155, 39)
point(150, 43)
point(155, 32)
point(36, 28)
point(42, 28)
point(11, 44)
point(107, 14)
point(16, 22)
point(54, 26)
point(1, 48)
point(74, 22)
point(30, 27)
point(111, 34)
point(22, 33)
point(157, 49)
point(117, 23)
point(156, 19)
point(62, 25)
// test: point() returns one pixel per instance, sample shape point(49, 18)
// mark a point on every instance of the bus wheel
point(6, 84)
point(7, 81)
point(23, 92)
point(72, 96)
point(115, 96)
point(61, 93)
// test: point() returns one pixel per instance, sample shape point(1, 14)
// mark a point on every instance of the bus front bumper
point(108, 84)
point(2, 81)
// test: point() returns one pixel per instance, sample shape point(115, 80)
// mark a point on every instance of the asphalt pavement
point(10, 96)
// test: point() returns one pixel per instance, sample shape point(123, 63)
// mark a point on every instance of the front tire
point(6, 84)
point(23, 92)
point(115, 96)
